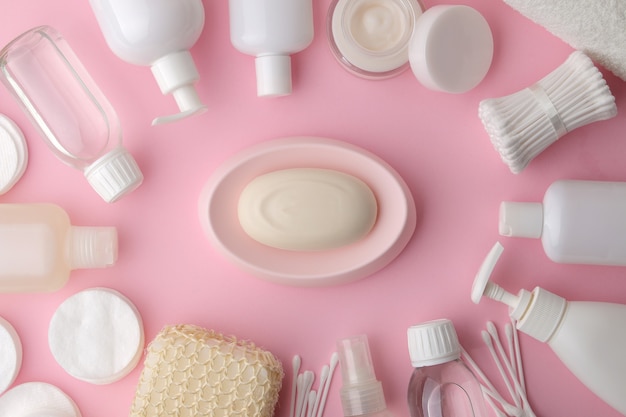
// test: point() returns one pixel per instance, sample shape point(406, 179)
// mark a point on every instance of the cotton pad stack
point(193, 372)
point(10, 355)
point(13, 154)
point(525, 123)
point(37, 399)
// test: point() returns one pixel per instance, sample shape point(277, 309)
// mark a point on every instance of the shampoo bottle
point(441, 384)
point(588, 337)
point(271, 30)
point(39, 247)
point(159, 34)
point(579, 222)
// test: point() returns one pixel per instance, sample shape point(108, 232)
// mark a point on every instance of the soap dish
point(394, 226)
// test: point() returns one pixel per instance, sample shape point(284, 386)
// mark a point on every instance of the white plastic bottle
point(580, 222)
point(588, 337)
point(271, 30)
point(441, 384)
point(159, 34)
point(39, 247)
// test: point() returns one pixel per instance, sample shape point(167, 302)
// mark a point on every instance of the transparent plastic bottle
point(441, 385)
point(39, 247)
point(74, 117)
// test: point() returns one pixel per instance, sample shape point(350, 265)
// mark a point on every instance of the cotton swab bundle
point(525, 123)
point(306, 402)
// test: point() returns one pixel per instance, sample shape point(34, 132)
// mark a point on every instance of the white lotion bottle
point(579, 222)
point(159, 34)
point(271, 30)
point(588, 337)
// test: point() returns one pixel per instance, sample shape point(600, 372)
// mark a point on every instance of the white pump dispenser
point(597, 330)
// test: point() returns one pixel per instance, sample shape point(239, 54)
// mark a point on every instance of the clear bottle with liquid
point(441, 385)
point(39, 247)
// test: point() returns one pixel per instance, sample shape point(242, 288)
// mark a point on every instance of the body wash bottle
point(271, 30)
point(39, 247)
point(159, 34)
point(579, 222)
point(588, 337)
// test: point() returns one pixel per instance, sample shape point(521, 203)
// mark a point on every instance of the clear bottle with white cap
point(361, 393)
point(76, 120)
point(39, 247)
point(271, 30)
point(589, 337)
point(441, 384)
point(579, 222)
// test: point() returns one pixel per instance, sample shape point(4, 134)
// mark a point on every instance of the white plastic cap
point(13, 154)
point(432, 343)
point(114, 175)
point(10, 355)
point(273, 75)
point(92, 247)
point(521, 219)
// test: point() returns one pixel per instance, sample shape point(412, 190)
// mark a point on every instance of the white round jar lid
point(451, 48)
point(97, 336)
point(13, 154)
point(10, 355)
point(37, 399)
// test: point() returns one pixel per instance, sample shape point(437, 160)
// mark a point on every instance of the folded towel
point(596, 27)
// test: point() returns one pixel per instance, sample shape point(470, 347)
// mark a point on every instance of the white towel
point(596, 27)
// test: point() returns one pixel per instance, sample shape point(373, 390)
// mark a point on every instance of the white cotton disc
point(13, 154)
point(37, 399)
point(10, 355)
point(97, 336)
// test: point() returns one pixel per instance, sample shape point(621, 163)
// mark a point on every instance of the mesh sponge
point(193, 372)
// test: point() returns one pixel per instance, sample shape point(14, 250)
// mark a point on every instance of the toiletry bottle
point(159, 34)
point(361, 393)
point(39, 247)
point(441, 384)
point(76, 120)
point(271, 30)
point(588, 337)
point(580, 222)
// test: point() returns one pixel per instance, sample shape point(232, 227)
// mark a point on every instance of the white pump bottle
point(588, 337)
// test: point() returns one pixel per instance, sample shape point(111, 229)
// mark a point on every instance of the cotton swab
point(334, 360)
point(306, 402)
point(492, 351)
point(311, 403)
point(295, 362)
point(323, 376)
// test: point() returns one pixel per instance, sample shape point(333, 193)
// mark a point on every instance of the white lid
point(92, 247)
point(96, 336)
point(37, 399)
point(10, 355)
point(451, 48)
point(273, 75)
point(114, 175)
point(521, 219)
point(13, 154)
point(432, 343)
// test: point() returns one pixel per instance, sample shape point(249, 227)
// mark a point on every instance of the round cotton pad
point(97, 336)
point(10, 355)
point(13, 154)
point(37, 399)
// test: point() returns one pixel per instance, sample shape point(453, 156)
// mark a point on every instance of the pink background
point(434, 140)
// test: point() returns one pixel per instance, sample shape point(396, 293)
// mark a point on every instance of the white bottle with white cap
point(271, 30)
point(159, 34)
point(588, 337)
point(579, 222)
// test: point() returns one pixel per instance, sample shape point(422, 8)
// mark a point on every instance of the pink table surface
point(435, 141)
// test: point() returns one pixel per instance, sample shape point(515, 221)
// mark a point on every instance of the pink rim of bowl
point(393, 229)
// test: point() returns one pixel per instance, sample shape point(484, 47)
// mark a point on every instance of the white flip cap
point(273, 75)
point(37, 399)
point(13, 154)
point(521, 219)
point(10, 355)
point(114, 175)
point(97, 336)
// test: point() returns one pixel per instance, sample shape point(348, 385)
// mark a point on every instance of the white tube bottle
point(588, 337)
point(579, 222)
point(159, 34)
point(271, 30)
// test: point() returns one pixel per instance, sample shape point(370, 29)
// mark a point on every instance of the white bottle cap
point(451, 48)
point(92, 247)
point(521, 219)
point(10, 355)
point(37, 399)
point(176, 74)
point(13, 154)
point(432, 343)
point(273, 75)
point(114, 175)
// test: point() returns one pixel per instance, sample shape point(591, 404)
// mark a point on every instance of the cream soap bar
point(307, 209)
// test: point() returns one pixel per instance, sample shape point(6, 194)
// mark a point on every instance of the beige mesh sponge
point(193, 372)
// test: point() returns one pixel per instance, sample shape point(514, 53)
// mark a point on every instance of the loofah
point(193, 372)
point(525, 123)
